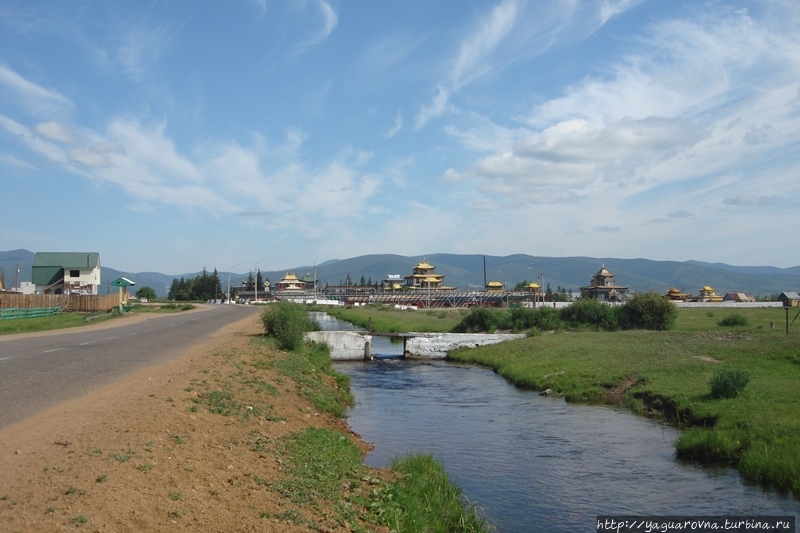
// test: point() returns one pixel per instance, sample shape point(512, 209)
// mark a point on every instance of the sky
point(171, 136)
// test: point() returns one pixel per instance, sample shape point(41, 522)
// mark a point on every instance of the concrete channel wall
point(345, 345)
point(357, 345)
point(436, 345)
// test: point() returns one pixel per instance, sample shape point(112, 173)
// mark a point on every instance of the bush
point(728, 383)
point(479, 320)
point(734, 319)
point(648, 310)
point(590, 312)
point(287, 322)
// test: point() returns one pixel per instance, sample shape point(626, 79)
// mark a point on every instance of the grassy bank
point(416, 495)
point(663, 374)
point(389, 320)
point(666, 374)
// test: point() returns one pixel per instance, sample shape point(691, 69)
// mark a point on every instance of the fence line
point(68, 302)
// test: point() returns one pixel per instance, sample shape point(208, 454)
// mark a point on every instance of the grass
point(667, 374)
point(389, 320)
point(424, 499)
point(66, 320)
point(325, 465)
point(311, 370)
point(48, 323)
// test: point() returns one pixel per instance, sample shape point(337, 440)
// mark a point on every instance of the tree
point(146, 293)
point(648, 310)
point(249, 283)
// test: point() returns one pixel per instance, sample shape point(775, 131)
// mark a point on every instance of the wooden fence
point(67, 302)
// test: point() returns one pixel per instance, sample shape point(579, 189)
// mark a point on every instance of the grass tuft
point(728, 382)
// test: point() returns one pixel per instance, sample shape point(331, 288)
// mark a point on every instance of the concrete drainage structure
point(436, 345)
point(357, 345)
point(345, 345)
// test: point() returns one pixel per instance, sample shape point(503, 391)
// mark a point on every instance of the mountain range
point(468, 271)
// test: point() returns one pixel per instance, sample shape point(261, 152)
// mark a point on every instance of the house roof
point(48, 267)
point(791, 295)
point(67, 259)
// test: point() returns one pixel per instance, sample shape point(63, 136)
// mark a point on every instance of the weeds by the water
point(424, 499)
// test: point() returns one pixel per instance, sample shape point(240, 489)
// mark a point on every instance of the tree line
point(203, 287)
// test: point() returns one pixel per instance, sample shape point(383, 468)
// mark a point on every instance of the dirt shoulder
point(146, 454)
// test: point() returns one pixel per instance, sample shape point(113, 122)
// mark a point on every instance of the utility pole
point(228, 295)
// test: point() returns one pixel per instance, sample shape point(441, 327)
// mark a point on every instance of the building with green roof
point(66, 272)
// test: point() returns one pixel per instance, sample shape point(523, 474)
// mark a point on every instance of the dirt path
point(139, 455)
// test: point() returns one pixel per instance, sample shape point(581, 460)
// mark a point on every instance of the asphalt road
point(38, 372)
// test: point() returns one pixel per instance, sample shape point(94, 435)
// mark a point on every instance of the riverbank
point(662, 374)
point(235, 435)
point(666, 375)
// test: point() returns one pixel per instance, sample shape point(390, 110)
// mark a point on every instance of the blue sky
point(172, 136)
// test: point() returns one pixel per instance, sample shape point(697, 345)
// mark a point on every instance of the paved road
point(40, 371)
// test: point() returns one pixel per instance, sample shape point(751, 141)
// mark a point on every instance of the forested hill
point(467, 271)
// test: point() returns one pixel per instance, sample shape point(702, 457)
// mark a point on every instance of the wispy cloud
point(33, 97)
point(753, 201)
point(329, 22)
point(684, 107)
point(513, 31)
point(396, 126)
point(141, 48)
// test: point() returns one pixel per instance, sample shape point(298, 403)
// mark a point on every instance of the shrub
point(479, 319)
point(734, 319)
point(728, 383)
point(648, 310)
point(287, 322)
point(590, 312)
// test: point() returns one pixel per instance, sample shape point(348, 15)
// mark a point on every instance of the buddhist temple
point(677, 296)
point(495, 286)
point(290, 283)
point(707, 294)
point(603, 287)
point(424, 277)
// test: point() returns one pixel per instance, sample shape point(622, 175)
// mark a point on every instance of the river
point(534, 463)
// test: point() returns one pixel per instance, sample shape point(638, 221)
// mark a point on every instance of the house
point(790, 299)
point(393, 282)
point(737, 297)
point(604, 287)
point(66, 272)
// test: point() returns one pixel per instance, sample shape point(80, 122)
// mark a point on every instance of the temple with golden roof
point(423, 277)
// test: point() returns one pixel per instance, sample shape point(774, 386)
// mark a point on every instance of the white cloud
point(56, 131)
point(34, 97)
point(51, 152)
point(684, 107)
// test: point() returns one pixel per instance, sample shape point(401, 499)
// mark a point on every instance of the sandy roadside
point(137, 456)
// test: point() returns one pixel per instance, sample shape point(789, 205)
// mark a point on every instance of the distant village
point(58, 273)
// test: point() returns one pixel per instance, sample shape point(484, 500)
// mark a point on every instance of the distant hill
point(467, 270)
